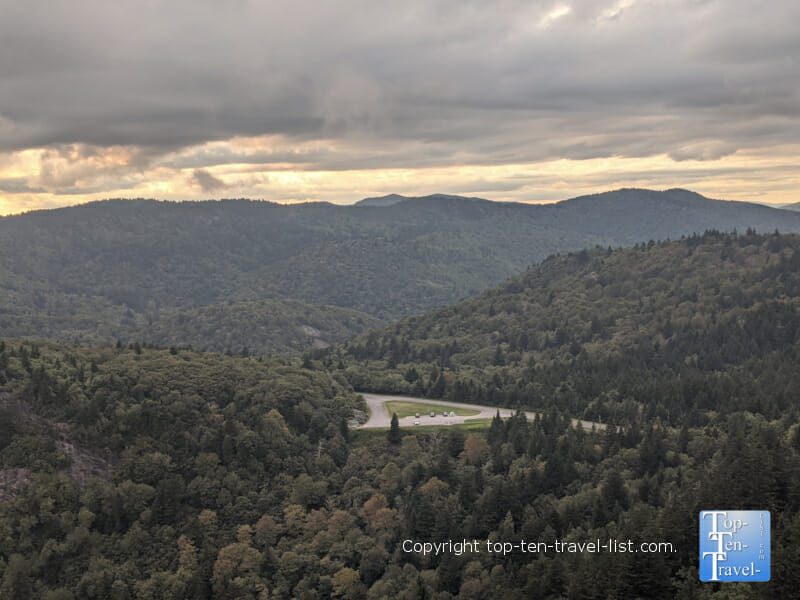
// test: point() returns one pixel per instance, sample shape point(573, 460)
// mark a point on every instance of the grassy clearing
point(476, 425)
point(409, 409)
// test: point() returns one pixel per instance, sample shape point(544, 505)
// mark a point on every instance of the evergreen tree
point(394, 430)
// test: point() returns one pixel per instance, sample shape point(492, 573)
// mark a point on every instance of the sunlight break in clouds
point(738, 176)
point(554, 15)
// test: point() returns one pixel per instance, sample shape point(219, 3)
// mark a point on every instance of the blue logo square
point(734, 545)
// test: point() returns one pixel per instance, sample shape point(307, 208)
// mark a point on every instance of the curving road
point(380, 418)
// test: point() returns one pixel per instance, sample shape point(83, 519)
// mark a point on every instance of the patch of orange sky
point(80, 174)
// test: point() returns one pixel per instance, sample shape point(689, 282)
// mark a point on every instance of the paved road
point(380, 417)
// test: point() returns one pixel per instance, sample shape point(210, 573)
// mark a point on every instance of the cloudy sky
point(525, 100)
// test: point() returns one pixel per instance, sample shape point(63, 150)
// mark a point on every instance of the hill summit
point(392, 199)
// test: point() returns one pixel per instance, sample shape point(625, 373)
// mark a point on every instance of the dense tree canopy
point(133, 472)
point(672, 331)
point(232, 479)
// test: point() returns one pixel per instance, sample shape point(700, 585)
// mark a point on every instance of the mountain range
point(141, 269)
point(137, 472)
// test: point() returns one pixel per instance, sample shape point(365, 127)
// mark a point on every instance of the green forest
point(136, 472)
point(140, 270)
point(259, 327)
point(673, 331)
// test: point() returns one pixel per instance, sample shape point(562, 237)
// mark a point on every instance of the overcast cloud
point(160, 97)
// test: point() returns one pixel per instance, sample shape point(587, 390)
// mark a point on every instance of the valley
point(247, 249)
point(634, 385)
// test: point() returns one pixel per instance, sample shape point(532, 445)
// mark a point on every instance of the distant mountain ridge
point(79, 273)
point(381, 201)
point(392, 199)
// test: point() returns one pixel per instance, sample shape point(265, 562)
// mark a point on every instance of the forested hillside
point(232, 478)
point(258, 327)
point(676, 331)
point(139, 473)
point(134, 270)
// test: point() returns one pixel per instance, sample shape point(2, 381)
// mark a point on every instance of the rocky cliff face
point(84, 464)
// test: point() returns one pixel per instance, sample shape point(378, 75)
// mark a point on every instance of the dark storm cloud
point(415, 83)
point(206, 181)
point(18, 185)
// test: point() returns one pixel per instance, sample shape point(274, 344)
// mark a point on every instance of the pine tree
point(394, 430)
